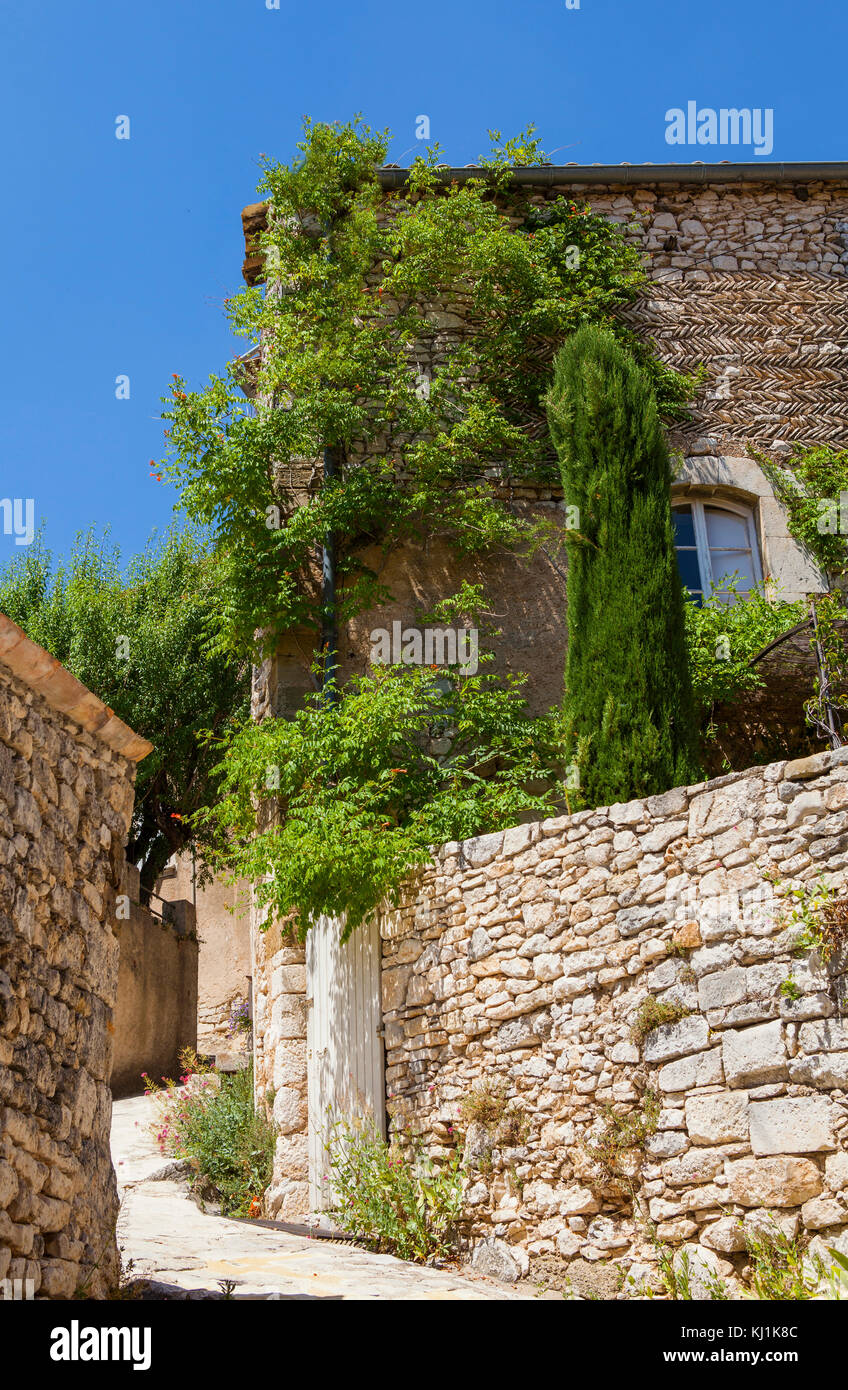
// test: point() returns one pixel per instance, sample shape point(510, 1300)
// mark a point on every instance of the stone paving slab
point(177, 1246)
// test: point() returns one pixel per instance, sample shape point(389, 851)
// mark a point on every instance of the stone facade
point(222, 916)
point(67, 771)
point(527, 958)
point(747, 280)
point(156, 1008)
point(279, 1061)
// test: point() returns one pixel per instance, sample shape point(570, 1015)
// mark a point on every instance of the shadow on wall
point(156, 1013)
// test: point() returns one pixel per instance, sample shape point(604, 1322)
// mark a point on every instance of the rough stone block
point(723, 988)
point(773, 1182)
point(754, 1056)
point(677, 1039)
point(717, 1119)
point(825, 1035)
point(823, 1211)
point(792, 1125)
point(701, 1069)
point(824, 1072)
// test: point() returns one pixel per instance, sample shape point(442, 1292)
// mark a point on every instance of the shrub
point(400, 1201)
point(616, 1148)
point(212, 1123)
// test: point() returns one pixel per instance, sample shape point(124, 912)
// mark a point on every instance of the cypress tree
point(628, 699)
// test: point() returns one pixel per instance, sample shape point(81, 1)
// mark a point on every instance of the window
point(714, 542)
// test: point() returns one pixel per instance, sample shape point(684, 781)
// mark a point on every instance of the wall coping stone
point(45, 675)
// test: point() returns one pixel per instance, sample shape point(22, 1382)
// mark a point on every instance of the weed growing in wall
point(396, 1199)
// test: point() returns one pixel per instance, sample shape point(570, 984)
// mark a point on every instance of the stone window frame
point(786, 569)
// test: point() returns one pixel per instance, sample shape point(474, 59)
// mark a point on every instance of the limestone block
point(821, 1212)
point(8, 1184)
point(483, 849)
point(717, 1119)
point(723, 988)
point(824, 1036)
point(676, 1039)
point(801, 769)
point(773, 1182)
point(792, 1125)
point(548, 966)
point(697, 1166)
point(579, 1201)
point(805, 806)
point(495, 1259)
point(700, 1069)
point(725, 1235)
point(824, 1072)
point(754, 1056)
point(290, 1110)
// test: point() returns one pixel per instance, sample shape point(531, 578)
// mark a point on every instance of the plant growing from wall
point(813, 489)
point(397, 1200)
point(654, 1013)
point(616, 1146)
point(628, 700)
point(781, 1267)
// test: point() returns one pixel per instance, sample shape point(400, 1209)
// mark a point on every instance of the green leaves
point(722, 637)
point(362, 292)
point(396, 1198)
point(813, 489)
point(352, 794)
point(144, 639)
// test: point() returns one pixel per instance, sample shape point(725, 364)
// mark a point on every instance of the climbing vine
point(411, 334)
point(406, 340)
point(813, 490)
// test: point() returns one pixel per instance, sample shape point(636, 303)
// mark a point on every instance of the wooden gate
point(344, 1044)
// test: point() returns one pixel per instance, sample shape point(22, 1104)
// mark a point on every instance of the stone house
point(748, 267)
point(748, 270)
point(67, 776)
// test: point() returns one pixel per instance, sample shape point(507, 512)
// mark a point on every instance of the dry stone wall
point(66, 796)
point(519, 972)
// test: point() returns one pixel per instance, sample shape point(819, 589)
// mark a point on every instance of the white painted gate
point(344, 1045)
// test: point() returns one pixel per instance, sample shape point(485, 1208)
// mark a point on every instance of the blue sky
point(118, 254)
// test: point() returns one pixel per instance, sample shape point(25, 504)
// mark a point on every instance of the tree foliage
point(353, 793)
point(360, 292)
point(143, 639)
point(628, 699)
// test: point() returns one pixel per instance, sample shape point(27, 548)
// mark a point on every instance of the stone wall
point(279, 1060)
point(156, 1009)
point(520, 970)
point(223, 962)
point(747, 281)
point(67, 770)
